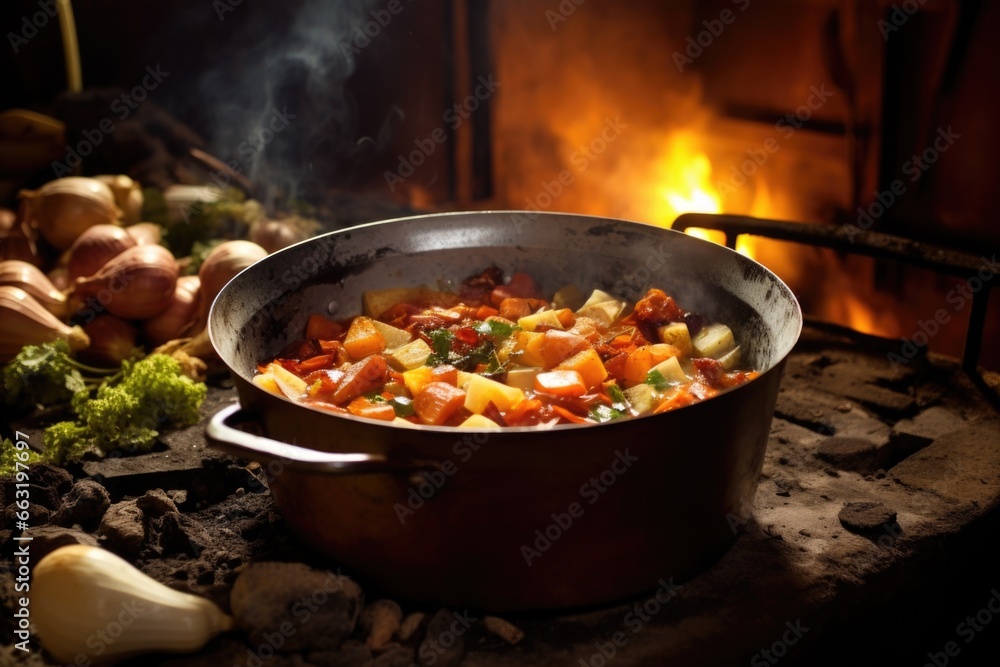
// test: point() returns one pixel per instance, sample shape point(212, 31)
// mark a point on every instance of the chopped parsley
point(402, 405)
point(656, 379)
point(499, 330)
point(604, 413)
point(618, 400)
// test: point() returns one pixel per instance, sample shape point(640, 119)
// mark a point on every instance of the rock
point(123, 527)
point(47, 539)
point(85, 504)
point(866, 517)
point(444, 642)
point(911, 435)
point(395, 655)
point(155, 504)
point(179, 496)
point(317, 609)
point(38, 515)
point(379, 621)
point(181, 534)
point(352, 653)
point(856, 454)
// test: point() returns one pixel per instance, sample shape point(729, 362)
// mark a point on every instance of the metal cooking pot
point(523, 518)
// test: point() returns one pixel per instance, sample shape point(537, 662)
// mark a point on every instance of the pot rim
point(511, 430)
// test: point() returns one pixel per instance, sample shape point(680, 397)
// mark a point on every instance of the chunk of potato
point(481, 391)
point(546, 317)
point(678, 335)
point(641, 398)
point(376, 302)
point(714, 341)
point(568, 297)
point(394, 336)
point(670, 370)
point(605, 312)
point(410, 356)
point(731, 359)
point(480, 422)
point(522, 377)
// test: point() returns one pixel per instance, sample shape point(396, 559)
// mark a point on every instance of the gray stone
point(313, 609)
point(866, 517)
point(855, 454)
point(85, 504)
point(910, 435)
point(350, 654)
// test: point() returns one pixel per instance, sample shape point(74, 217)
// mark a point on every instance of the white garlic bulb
point(87, 602)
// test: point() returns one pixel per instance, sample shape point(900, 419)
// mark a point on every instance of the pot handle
point(293, 457)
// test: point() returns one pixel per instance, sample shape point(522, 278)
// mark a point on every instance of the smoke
point(279, 109)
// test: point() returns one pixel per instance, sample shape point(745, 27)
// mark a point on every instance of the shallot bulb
point(222, 264)
point(145, 233)
point(24, 321)
point(136, 285)
point(179, 316)
point(30, 278)
point(96, 247)
point(17, 239)
point(66, 207)
point(128, 195)
point(112, 340)
point(78, 588)
point(273, 235)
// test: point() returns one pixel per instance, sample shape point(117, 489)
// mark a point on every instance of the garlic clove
point(87, 602)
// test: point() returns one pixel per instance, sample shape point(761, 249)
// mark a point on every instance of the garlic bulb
point(30, 278)
point(87, 602)
point(145, 233)
point(222, 264)
point(128, 195)
point(64, 208)
point(24, 321)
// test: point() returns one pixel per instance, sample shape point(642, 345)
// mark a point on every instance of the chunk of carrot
point(557, 345)
point(363, 338)
point(437, 402)
point(588, 364)
point(445, 373)
point(560, 383)
point(642, 359)
point(362, 407)
point(362, 377)
point(323, 328)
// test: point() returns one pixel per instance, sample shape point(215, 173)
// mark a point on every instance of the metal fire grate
point(862, 242)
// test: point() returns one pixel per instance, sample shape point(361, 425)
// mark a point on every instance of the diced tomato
point(521, 285)
point(514, 308)
point(366, 375)
point(657, 308)
point(301, 349)
point(561, 383)
point(437, 402)
point(616, 365)
point(362, 407)
point(467, 336)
